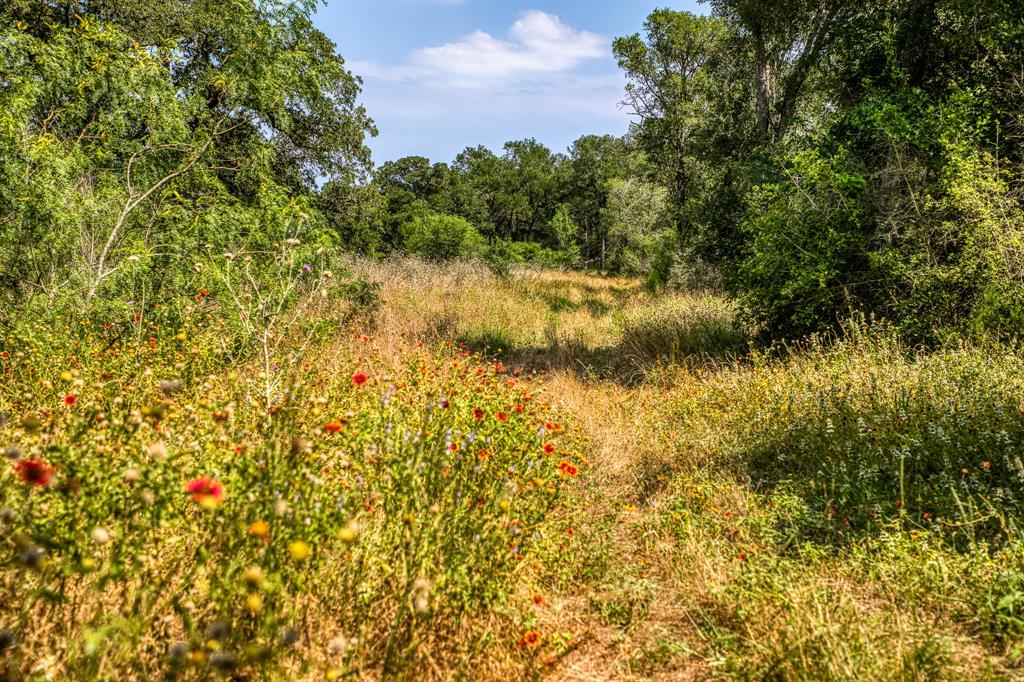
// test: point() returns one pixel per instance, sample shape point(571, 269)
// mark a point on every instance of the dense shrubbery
point(827, 160)
point(441, 237)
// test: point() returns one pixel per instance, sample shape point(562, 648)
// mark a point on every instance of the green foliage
point(806, 245)
point(127, 133)
point(827, 158)
point(441, 237)
point(636, 216)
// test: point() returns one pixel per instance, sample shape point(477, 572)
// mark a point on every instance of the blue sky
point(441, 75)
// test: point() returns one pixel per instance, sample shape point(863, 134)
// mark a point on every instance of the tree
point(441, 237)
point(160, 130)
point(637, 223)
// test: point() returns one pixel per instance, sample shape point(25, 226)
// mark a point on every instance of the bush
point(441, 237)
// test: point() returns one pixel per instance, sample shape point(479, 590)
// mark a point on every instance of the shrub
point(441, 237)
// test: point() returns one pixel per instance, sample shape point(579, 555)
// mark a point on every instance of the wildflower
point(567, 468)
point(208, 492)
point(34, 472)
point(348, 533)
point(259, 529)
point(358, 379)
point(478, 414)
point(530, 639)
point(421, 595)
point(332, 427)
point(518, 408)
point(157, 450)
point(298, 550)
point(538, 599)
point(254, 603)
point(549, 449)
point(70, 399)
point(986, 465)
point(306, 267)
point(339, 645)
point(501, 416)
point(253, 576)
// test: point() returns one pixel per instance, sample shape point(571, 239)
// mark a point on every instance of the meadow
point(424, 471)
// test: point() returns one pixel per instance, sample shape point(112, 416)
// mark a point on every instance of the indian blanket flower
point(567, 468)
point(70, 399)
point(34, 472)
point(530, 640)
point(208, 492)
point(358, 379)
point(549, 449)
point(478, 414)
point(332, 427)
point(501, 416)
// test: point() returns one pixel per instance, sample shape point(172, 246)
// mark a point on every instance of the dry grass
point(678, 560)
point(684, 571)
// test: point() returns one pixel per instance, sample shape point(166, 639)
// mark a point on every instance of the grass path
point(698, 553)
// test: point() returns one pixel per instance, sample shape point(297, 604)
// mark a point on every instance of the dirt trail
point(614, 638)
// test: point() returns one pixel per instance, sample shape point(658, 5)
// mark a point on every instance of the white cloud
point(482, 89)
point(538, 44)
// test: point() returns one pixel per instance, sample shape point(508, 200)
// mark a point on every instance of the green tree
point(126, 130)
point(441, 237)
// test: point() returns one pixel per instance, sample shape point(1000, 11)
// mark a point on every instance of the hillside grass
point(550, 475)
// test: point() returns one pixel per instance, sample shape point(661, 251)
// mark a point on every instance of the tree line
point(816, 158)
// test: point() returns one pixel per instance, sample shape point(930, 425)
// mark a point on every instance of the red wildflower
point(358, 379)
point(70, 399)
point(567, 468)
point(478, 414)
point(518, 408)
point(986, 464)
point(498, 367)
point(538, 599)
point(208, 492)
point(501, 416)
point(34, 472)
point(332, 427)
point(530, 640)
point(549, 449)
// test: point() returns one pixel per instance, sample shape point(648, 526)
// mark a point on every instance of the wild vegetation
point(737, 395)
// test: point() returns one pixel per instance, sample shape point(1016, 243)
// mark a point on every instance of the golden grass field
point(736, 514)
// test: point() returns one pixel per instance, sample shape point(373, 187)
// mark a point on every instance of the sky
point(443, 75)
